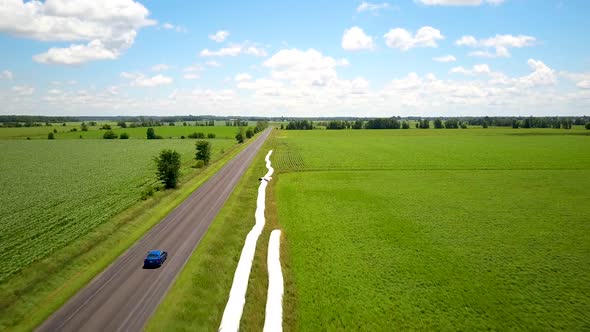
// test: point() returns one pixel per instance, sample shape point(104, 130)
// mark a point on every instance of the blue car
point(155, 258)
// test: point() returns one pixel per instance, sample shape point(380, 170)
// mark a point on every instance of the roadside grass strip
point(237, 296)
point(273, 320)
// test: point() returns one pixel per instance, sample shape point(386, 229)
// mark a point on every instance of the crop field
point(64, 132)
point(56, 191)
point(436, 229)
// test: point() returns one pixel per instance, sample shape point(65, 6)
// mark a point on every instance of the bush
point(405, 125)
point(199, 164)
point(50, 136)
point(124, 136)
point(182, 137)
point(168, 164)
point(55, 131)
point(587, 125)
point(240, 138)
point(106, 126)
point(249, 133)
point(83, 127)
point(109, 134)
point(463, 125)
point(74, 129)
point(151, 134)
point(484, 124)
point(211, 135)
point(203, 151)
point(148, 192)
point(122, 124)
point(197, 135)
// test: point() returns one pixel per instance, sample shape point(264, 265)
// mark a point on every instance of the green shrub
point(124, 136)
point(109, 134)
point(211, 135)
point(199, 164)
point(148, 192)
point(197, 135)
point(50, 136)
point(587, 125)
point(151, 134)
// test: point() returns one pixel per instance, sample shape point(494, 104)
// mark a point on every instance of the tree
point(240, 135)
point(405, 125)
point(124, 136)
point(484, 124)
point(249, 133)
point(50, 136)
point(106, 126)
point(122, 124)
point(203, 151)
point(168, 167)
point(55, 131)
point(151, 134)
point(515, 124)
point(438, 124)
point(109, 134)
point(83, 127)
point(587, 125)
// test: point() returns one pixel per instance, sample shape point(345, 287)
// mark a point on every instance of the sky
point(295, 58)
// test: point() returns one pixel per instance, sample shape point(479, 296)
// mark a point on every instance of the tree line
point(440, 123)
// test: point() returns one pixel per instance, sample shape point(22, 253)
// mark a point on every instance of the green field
point(56, 191)
point(436, 229)
point(64, 132)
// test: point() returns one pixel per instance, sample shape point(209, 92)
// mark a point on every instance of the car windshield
point(152, 256)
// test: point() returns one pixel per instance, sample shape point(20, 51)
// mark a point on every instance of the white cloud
point(445, 58)
point(582, 80)
point(213, 64)
point(193, 68)
point(77, 54)
point(140, 80)
point(191, 76)
point(477, 69)
point(242, 77)
point(108, 27)
point(235, 50)
point(23, 90)
point(459, 2)
point(355, 39)
point(177, 28)
point(220, 36)
point(499, 43)
point(7, 75)
point(400, 38)
point(160, 67)
point(541, 75)
point(371, 7)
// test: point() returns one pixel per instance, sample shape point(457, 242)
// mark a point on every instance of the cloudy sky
point(295, 58)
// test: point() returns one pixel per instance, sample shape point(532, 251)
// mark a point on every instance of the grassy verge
point(30, 296)
point(197, 299)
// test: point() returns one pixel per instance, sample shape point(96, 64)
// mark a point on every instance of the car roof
point(154, 252)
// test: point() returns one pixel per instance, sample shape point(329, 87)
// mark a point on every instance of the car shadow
point(151, 267)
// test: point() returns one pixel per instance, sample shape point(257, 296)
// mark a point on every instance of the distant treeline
point(437, 123)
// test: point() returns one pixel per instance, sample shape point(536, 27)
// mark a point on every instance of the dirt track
point(124, 296)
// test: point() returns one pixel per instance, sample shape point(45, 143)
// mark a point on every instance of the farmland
point(65, 132)
point(436, 229)
point(57, 191)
